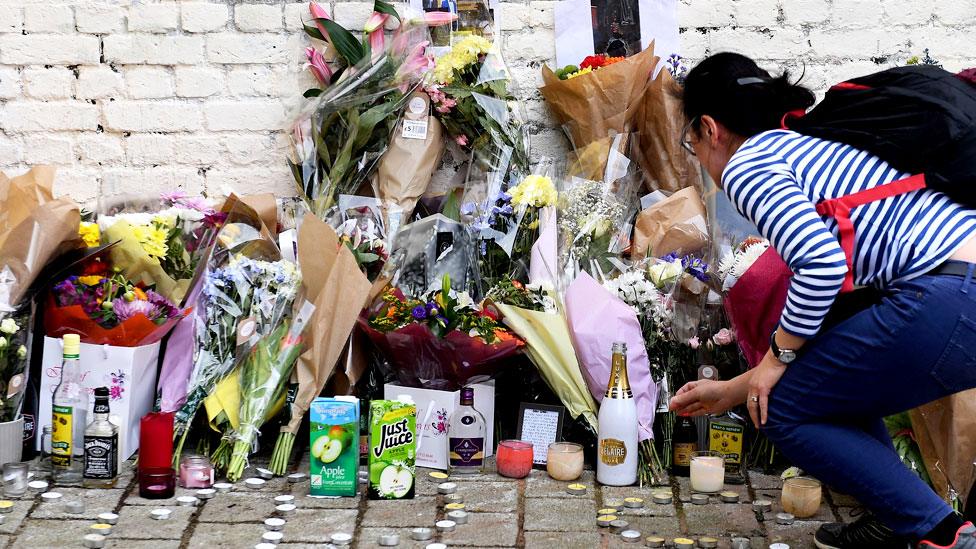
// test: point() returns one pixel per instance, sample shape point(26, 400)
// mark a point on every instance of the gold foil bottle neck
point(619, 385)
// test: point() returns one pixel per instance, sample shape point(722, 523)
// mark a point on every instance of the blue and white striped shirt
point(777, 177)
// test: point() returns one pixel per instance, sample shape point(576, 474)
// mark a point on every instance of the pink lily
point(416, 62)
point(320, 69)
point(375, 21)
point(377, 43)
point(439, 18)
point(461, 140)
point(318, 12)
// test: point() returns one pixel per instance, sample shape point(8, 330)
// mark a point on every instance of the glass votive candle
point(15, 479)
point(157, 482)
point(196, 472)
point(707, 472)
point(514, 458)
point(801, 496)
point(564, 461)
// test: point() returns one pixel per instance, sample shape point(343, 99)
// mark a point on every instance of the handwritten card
point(541, 425)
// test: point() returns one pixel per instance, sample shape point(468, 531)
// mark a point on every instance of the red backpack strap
point(840, 209)
point(798, 113)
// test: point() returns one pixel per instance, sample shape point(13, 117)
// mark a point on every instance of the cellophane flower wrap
point(361, 226)
point(105, 308)
point(14, 358)
point(343, 131)
point(160, 243)
point(263, 379)
point(442, 340)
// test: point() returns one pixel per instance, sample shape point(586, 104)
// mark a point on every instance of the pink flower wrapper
point(178, 357)
point(543, 263)
point(597, 319)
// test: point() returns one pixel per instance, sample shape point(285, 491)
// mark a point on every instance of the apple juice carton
point(392, 449)
point(334, 459)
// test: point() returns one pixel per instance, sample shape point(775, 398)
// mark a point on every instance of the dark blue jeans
point(916, 346)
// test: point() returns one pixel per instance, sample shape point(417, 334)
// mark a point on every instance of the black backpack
point(921, 119)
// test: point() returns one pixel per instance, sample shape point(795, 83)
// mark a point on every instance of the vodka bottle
point(466, 436)
point(617, 451)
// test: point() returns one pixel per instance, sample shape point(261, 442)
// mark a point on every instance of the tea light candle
point(741, 543)
point(576, 489)
point(435, 546)
point(604, 521)
point(223, 487)
point(160, 514)
point(459, 517)
point(454, 507)
point(446, 488)
point(74, 507)
point(341, 538)
point(564, 461)
point(630, 536)
point(6, 506)
point(514, 458)
point(285, 509)
point(662, 498)
point(265, 546)
point(684, 543)
point(784, 518)
point(453, 498)
point(606, 511)
point(389, 540)
point(633, 503)
point(187, 501)
point(618, 526)
point(779, 546)
point(699, 499)
point(274, 524)
point(37, 485)
point(707, 543)
point(266, 474)
point(707, 472)
point(284, 498)
point(421, 534)
point(615, 504)
point(296, 477)
point(94, 540)
point(49, 497)
point(762, 505)
point(101, 528)
point(206, 493)
point(157, 482)
point(255, 483)
point(272, 537)
point(108, 518)
point(446, 526)
point(437, 476)
point(654, 541)
point(729, 497)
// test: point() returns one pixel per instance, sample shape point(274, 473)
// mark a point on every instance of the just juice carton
point(334, 459)
point(392, 449)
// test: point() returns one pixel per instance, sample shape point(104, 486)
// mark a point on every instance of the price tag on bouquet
point(416, 117)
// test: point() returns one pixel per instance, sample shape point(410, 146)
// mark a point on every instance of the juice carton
point(334, 459)
point(392, 449)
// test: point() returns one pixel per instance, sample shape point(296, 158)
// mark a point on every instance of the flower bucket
point(11, 440)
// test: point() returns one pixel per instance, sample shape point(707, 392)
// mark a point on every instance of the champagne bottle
point(685, 444)
point(617, 450)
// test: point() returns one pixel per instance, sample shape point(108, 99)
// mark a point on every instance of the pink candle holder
point(196, 472)
point(514, 458)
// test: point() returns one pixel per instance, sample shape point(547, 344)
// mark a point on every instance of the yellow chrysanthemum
point(580, 72)
point(90, 280)
point(535, 190)
point(462, 54)
point(90, 234)
point(152, 239)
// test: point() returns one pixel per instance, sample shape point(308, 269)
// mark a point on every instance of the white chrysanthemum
point(726, 264)
point(747, 257)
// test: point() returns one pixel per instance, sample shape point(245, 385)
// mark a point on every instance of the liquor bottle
point(466, 436)
point(617, 450)
point(69, 407)
point(684, 441)
point(101, 446)
point(726, 435)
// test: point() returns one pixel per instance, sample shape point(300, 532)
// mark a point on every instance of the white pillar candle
point(707, 473)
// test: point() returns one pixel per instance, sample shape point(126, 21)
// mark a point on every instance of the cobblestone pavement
point(534, 513)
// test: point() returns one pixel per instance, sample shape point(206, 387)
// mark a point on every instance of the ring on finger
point(754, 398)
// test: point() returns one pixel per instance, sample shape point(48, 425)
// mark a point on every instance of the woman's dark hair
point(733, 90)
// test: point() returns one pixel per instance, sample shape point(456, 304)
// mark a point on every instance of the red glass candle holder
point(157, 482)
point(156, 440)
point(514, 458)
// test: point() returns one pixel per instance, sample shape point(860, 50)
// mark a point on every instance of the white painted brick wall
point(148, 95)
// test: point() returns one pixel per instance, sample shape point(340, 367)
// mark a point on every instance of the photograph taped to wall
point(616, 27)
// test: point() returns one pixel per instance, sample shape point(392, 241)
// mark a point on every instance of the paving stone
point(367, 538)
point(485, 530)
point(305, 501)
point(797, 535)
point(241, 535)
point(490, 497)
point(402, 514)
point(716, 519)
point(667, 527)
point(560, 515)
point(96, 501)
point(762, 481)
point(238, 507)
point(135, 522)
point(685, 491)
point(843, 500)
point(39, 533)
point(549, 540)
point(539, 485)
point(316, 526)
point(824, 514)
point(14, 518)
point(614, 495)
point(115, 543)
point(135, 499)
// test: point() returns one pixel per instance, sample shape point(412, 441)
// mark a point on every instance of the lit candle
point(801, 496)
point(564, 461)
point(196, 472)
point(707, 472)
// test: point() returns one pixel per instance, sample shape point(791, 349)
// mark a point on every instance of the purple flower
point(125, 310)
point(467, 208)
point(173, 197)
point(419, 312)
point(503, 197)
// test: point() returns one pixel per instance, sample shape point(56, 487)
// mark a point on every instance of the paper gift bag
point(434, 408)
point(128, 372)
point(675, 224)
point(945, 434)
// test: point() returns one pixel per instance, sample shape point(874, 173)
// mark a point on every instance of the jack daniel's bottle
point(617, 450)
point(101, 446)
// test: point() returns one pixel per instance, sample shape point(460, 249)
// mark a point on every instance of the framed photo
point(541, 425)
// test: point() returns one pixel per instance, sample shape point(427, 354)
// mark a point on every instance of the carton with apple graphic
point(392, 449)
point(334, 454)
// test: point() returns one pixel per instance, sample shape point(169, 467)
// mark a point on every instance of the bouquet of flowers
point(14, 339)
point(106, 308)
point(438, 341)
point(361, 227)
point(589, 64)
point(164, 247)
point(343, 132)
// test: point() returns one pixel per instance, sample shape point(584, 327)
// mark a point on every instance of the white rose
point(9, 326)
point(3, 342)
point(664, 273)
point(22, 352)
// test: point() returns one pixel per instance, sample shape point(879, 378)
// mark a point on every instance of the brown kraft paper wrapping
point(338, 289)
point(675, 224)
point(34, 229)
point(946, 433)
point(666, 164)
point(266, 207)
point(408, 164)
point(602, 103)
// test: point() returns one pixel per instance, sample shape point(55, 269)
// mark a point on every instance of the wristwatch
point(785, 356)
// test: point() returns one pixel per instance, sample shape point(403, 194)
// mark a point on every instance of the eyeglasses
point(685, 142)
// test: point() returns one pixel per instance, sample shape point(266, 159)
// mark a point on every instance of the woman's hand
point(699, 398)
point(765, 376)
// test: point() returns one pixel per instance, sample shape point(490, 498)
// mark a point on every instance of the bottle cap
point(72, 345)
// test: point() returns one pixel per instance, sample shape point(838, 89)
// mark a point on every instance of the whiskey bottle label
point(61, 436)
point(101, 457)
point(612, 451)
point(467, 452)
point(683, 453)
